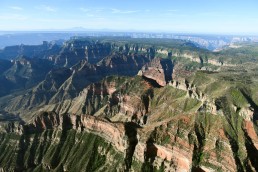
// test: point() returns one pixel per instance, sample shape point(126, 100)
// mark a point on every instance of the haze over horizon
point(198, 16)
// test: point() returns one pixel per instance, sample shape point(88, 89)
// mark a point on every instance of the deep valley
point(128, 104)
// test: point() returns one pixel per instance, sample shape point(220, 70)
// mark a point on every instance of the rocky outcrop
point(109, 98)
point(112, 132)
point(85, 73)
point(45, 149)
point(189, 55)
point(174, 159)
point(179, 143)
point(27, 69)
point(121, 135)
point(155, 121)
point(24, 73)
point(125, 140)
point(194, 57)
point(43, 51)
point(247, 113)
point(208, 105)
point(76, 50)
point(89, 73)
point(68, 84)
point(40, 94)
point(158, 70)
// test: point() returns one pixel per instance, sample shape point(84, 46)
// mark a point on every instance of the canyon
point(119, 105)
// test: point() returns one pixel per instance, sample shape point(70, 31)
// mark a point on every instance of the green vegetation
point(246, 52)
point(238, 98)
point(173, 118)
point(58, 150)
point(191, 104)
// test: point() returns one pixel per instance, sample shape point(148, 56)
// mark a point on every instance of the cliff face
point(85, 73)
point(176, 145)
point(166, 119)
point(110, 98)
point(49, 135)
point(34, 51)
point(74, 51)
point(39, 95)
point(23, 73)
point(65, 84)
point(64, 150)
point(30, 70)
point(159, 70)
point(151, 131)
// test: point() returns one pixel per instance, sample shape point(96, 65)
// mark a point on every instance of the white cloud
point(16, 17)
point(90, 15)
point(92, 10)
point(100, 18)
point(175, 10)
point(87, 11)
point(46, 8)
point(99, 10)
point(117, 11)
point(84, 9)
point(16, 8)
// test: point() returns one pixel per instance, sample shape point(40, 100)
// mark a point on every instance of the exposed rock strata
point(121, 137)
point(170, 127)
point(159, 70)
point(207, 104)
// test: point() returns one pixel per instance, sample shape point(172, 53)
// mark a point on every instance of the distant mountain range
point(211, 42)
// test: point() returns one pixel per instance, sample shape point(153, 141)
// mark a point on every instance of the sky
point(174, 16)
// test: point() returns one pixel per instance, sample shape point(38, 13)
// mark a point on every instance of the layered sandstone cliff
point(158, 70)
point(79, 119)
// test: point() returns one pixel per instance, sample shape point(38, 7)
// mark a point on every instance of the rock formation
point(158, 70)
point(87, 110)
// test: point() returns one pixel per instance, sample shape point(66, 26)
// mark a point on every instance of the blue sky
point(186, 16)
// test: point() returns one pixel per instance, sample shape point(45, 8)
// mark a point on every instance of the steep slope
point(34, 98)
point(76, 50)
point(68, 54)
point(167, 118)
point(158, 70)
point(73, 81)
point(24, 73)
point(175, 131)
point(4, 65)
point(33, 51)
point(32, 70)
point(5, 84)
point(58, 148)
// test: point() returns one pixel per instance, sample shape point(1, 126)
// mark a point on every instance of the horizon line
point(85, 30)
